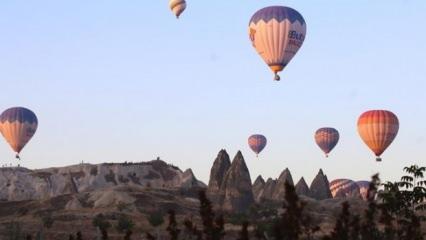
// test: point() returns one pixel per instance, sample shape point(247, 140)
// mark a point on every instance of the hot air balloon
point(18, 126)
point(326, 139)
point(177, 6)
point(363, 188)
point(277, 33)
point(378, 128)
point(257, 143)
point(343, 188)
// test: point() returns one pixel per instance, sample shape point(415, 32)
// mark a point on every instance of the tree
point(342, 228)
point(172, 228)
point(292, 224)
point(156, 219)
point(102, 224)
point(369, 230)
point(244, 231)
point(415, 186)
point(14, 230)
point(79, 236)
point(125, 224)
point(47, 220)
point(213, 226)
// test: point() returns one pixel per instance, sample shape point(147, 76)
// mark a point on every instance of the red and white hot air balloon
point(378, 129)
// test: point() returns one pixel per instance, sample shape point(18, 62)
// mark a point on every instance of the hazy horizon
point(115, 82)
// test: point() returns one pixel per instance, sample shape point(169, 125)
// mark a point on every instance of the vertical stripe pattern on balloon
point(378, 129)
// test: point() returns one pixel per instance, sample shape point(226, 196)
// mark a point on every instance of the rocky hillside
point(17, 184)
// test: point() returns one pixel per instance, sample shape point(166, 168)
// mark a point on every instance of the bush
point(156, 219)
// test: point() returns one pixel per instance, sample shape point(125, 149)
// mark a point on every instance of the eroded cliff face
point(18, 184)
point(221, 165)
point(320, 187)
point(238, 194)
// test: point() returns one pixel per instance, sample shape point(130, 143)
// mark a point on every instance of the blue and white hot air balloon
point(277, 33)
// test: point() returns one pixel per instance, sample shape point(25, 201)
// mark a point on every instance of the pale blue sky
point(125, 81)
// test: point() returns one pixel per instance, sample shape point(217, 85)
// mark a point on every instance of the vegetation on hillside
point(395, 211)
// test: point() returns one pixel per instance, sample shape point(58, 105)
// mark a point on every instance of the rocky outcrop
point(258, 187)
point(320, 188)
point(238, 194)
point(268, 190)
point(17, 184)
point(221, 165)
point(189, 180)
point(279, 191)
point(302, 188)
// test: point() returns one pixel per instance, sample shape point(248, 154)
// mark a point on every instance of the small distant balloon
point(326, 138)
point(277, 33)
point(378, 129)
point(257, 143)
point(18, 126)
point(177, 7)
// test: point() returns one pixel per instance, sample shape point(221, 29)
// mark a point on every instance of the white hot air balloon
point(277, 33)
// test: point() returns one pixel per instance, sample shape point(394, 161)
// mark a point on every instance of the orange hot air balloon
point(378, 128)
point(18, 125)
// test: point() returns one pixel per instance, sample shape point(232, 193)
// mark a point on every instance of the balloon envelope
point(363, 188)
point(326, 139)
point(257, 142)
point(277, 33)
point(18, 126)
point(343, 188)
point(177, 7)
point(378, 129)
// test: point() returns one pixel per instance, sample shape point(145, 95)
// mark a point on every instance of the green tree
point(156, 219)
point(125, 225)
point(102, 224)
point(415, 186)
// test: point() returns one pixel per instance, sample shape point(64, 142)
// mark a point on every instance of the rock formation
point(258, 187)
point(279, 191)
point(268, 190)
point(237, 187)
point(302, 188)
point(320, 188)
point(221, 165)
point(17, 184)
point(189, 180)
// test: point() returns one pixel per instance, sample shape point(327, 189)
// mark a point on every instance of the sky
point(114, 81)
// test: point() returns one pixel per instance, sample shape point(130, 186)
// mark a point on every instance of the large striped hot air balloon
point(18, 126)
point(257, 143)
point(343, 188)
point(277, 33)
point(363, 188)
point(378, 128)
point(326, 138)
point(177, 7)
